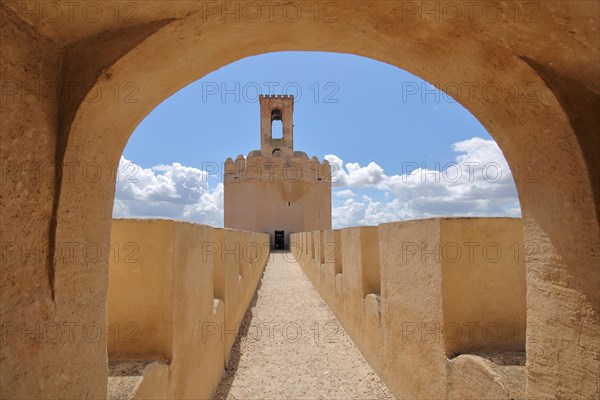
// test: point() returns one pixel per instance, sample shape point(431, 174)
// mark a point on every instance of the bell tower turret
point(276, 108)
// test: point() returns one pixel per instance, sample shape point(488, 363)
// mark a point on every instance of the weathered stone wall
point(43, 324)
point(177, 295)
point(415, 295)
point(483, 283)
point(291, 194)
point(268, 144)
point(544, 119)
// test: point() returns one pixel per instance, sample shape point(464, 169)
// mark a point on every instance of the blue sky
point(377, 117)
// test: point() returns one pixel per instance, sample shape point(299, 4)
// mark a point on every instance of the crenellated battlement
point(277, 190)
point(277, 96)
point(280, 108)
point(276, 160)
point(225, 265)
point(291, 169)
point(374, 279)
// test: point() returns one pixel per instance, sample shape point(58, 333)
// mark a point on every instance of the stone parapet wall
point(177, 293)
point(428, 302)
point(59, 77)
point(289, 194)
point(289, 169)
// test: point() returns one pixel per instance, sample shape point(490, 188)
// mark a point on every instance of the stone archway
point(546, 139)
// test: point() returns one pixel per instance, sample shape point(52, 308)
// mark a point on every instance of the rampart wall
point(177, 293)
point(436, 306)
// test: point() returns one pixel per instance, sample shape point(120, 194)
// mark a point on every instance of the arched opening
point(500, 121)
point(277, 129)
point(276, 124)
point(453, 293)
point(544, 137)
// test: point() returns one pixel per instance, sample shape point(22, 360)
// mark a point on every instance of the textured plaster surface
point(547, 130)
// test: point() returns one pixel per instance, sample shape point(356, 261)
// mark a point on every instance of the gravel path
point(292, 346)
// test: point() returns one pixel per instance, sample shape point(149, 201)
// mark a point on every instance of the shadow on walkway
point(234, 360)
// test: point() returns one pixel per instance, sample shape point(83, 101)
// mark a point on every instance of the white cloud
point(168, 191)
point(348, 214)
point(353, 175)
point(479, 183)
point(347, 193)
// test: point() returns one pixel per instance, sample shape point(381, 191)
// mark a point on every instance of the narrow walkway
point(291, 346)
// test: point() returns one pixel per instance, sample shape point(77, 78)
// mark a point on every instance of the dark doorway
point(279, 240)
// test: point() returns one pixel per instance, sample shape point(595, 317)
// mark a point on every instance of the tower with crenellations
point(277, 190)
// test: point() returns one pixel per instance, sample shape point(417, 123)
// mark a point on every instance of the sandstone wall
point(420, 298)
point(58, 81)
point(177, 296)
point(291, 194)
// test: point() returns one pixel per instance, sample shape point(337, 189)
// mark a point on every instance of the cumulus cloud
point(167, 191)
point(353, 175)
point(347, 193)
point(478, 183)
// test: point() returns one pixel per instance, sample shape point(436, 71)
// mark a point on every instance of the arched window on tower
point(276, 124)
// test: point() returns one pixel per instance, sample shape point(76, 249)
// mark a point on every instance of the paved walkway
point(291, 346)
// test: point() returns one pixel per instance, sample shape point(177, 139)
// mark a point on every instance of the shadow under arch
point(558, 206)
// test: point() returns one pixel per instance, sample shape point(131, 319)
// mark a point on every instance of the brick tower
point(276, 108)
point(277, 190)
